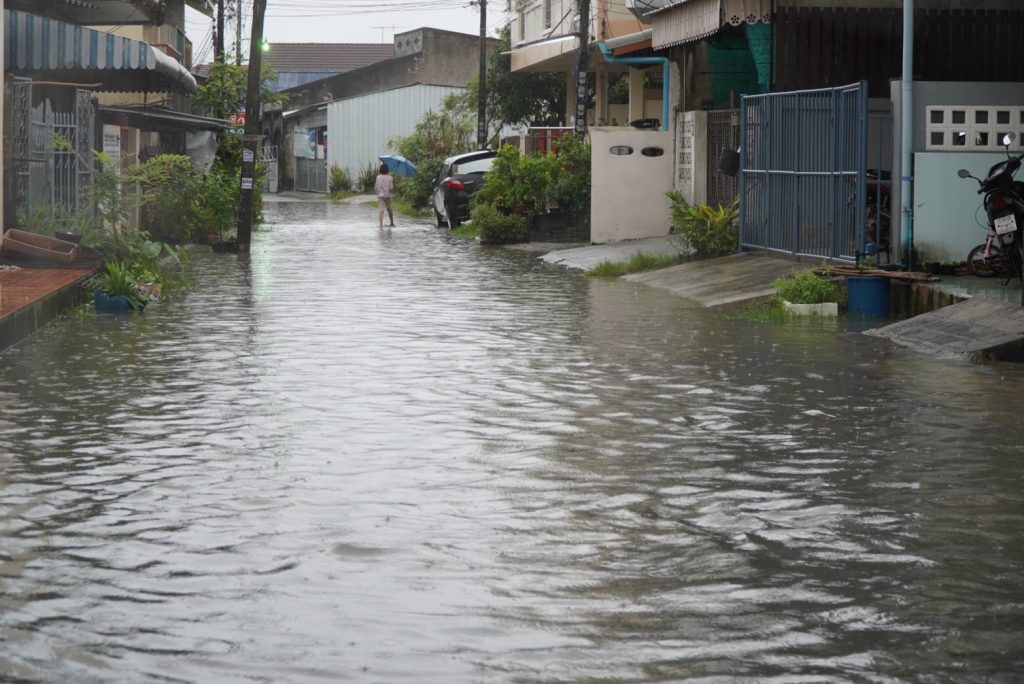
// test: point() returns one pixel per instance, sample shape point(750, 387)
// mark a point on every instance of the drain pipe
point(906, 136)
point(663, 61)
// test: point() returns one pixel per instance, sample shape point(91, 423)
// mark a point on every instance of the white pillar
point(636, 93)
point(601, 117)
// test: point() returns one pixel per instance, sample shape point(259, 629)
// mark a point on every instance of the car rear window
point(474, 166)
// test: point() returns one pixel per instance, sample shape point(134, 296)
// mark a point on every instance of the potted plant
point(116, 290)
point(807, 293)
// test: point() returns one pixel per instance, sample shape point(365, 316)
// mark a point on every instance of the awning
point(687, 21)
point(160, 119)
point(52, 50)
point(113, 12)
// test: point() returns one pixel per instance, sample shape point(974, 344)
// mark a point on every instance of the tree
point(223, 91)
point(515, 99)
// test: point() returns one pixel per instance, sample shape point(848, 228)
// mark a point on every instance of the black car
point(460, 177)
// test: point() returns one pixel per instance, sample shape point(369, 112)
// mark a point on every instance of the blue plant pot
point(110, 303)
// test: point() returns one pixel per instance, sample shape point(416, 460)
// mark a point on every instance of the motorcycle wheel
point(987, 267)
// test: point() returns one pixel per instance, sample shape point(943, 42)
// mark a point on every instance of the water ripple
point(397, 456)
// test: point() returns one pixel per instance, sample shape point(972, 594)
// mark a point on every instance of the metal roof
point(334, 57)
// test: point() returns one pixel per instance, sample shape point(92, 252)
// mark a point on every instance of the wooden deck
point(33, 296)
point(25, 286)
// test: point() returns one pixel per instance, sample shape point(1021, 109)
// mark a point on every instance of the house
point(782, 54)
point(630, 83)
point(348, 119)
point(724, 52)
point(94, 89)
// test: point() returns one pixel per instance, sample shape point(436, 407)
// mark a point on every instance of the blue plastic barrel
point(867, 295)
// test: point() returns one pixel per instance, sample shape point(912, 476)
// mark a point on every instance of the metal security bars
point(802, 184)
point(723, 134)
point(52, 157)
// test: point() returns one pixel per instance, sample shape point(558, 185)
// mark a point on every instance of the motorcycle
point(1004, 205)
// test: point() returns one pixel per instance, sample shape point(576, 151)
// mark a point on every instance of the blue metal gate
point(803, 159)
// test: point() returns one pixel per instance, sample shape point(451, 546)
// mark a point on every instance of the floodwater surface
point(395, 456)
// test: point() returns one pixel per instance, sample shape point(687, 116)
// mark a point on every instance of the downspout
point(906, 135)
point(663, 61)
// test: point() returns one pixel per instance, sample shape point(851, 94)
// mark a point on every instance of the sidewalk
point(710, 282)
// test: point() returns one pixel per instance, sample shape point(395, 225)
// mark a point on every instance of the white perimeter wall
point(627, 199)
point(359, 128)
point(947, 208)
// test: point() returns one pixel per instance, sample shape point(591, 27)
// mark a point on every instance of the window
point(971, 129)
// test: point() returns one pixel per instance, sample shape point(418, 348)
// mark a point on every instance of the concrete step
point(975, 328)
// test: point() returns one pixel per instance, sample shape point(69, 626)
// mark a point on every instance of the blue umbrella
point(398, 165)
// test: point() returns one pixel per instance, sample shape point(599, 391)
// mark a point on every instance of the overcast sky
point(347, 21)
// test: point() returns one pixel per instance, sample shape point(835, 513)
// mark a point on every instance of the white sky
point(346, 21)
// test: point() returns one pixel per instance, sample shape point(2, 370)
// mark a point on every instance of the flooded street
point(366, 456)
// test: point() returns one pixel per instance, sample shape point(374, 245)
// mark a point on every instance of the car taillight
point(454, 184)
point(998, 202)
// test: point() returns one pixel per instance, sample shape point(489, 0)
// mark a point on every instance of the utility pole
point(238, 32)
point(582, 61)
point(251, 139)
point(481, 98)
point(218, 43)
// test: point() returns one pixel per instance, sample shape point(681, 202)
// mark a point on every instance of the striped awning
point(687, 21)
point(48, 49)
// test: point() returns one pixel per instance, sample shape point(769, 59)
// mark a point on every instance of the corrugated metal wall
point(360, 128)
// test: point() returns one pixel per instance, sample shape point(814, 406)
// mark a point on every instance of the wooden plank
point(828, 48)
point(814, 67)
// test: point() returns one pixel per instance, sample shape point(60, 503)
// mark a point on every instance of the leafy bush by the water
point(496, 228)
point(340, 180)
point(170, 190)
point(807, 287)
point(641, 261)
point(116, 279)
point(368, 177)
point(571, 186)
point(702, 230)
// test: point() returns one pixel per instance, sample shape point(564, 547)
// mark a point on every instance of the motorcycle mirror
point(1008, 139)
point(963, 173)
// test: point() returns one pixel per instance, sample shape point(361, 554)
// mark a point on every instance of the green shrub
point(701, 230)
point(218, 200)
point(116, 279)
point(367, 178)
point(169, 191)
point(807, 287)
point(493, 227)
point(570, 189)
point(340, 180)
point(416, 190)
point(518, 184)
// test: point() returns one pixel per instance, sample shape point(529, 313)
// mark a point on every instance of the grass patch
point(641, 261)
point(467, 231)
point(768, 310)
point(339, 195)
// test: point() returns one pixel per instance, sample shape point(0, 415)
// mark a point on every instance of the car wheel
point(438, 219)
point(453, 217)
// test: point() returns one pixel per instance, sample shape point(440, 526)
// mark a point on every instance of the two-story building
point(83, 76)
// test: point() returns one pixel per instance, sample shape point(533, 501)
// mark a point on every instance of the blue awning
point(48, 49)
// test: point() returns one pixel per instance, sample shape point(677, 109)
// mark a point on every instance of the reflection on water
point(369, 456)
